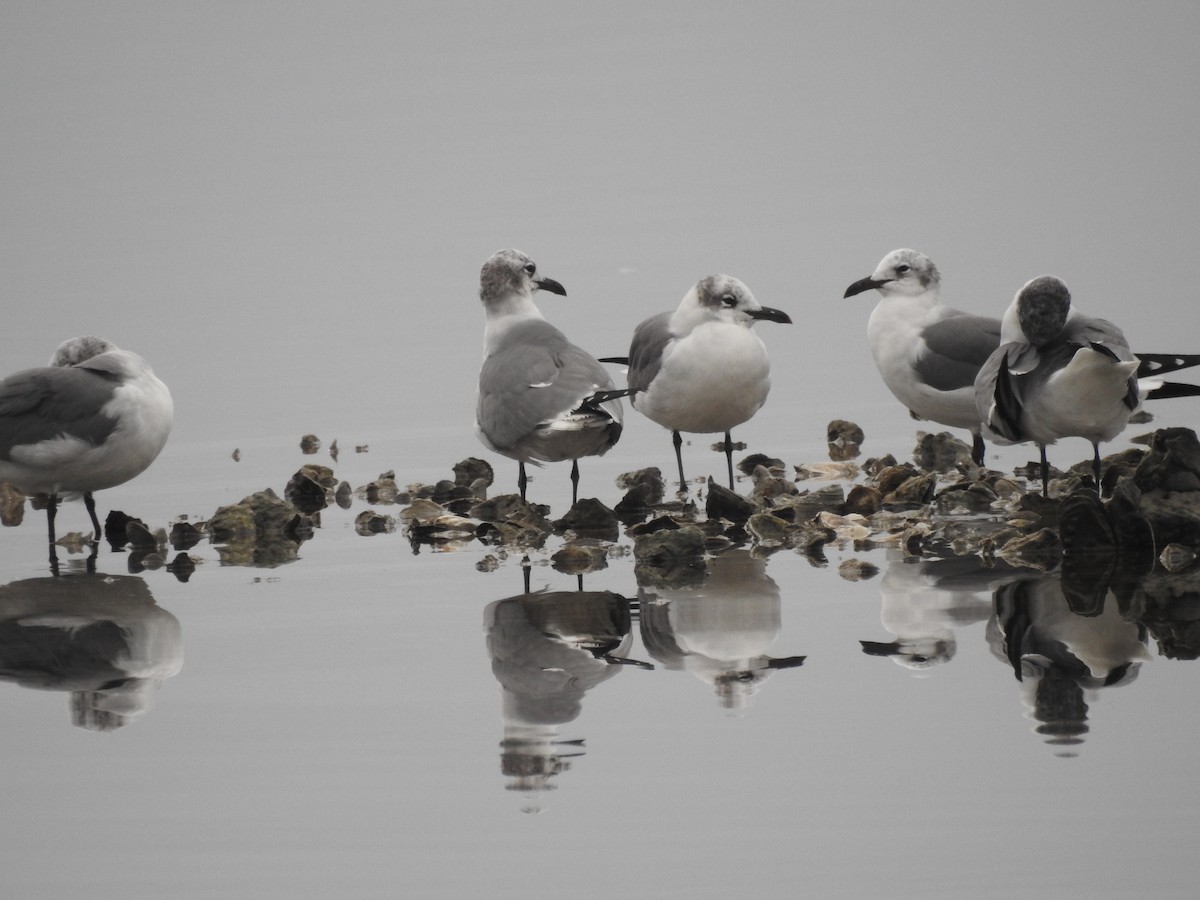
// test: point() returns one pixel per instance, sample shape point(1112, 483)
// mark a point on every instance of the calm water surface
point(374, 722)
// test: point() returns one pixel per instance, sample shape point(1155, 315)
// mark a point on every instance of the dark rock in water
point(1112, 467)
point(659, 523)
point(1042, 509)
point(1172, 462)
point(344, 495)
point(1132, 530)
point(139, 536)
point(311, 488)
point(874, 465)
point(864, 500)
point(857, 570)
point(643, 491)
point(1040, 550)
point(769, 487)
point(1176, 557)
point(310, 444)
point(941, 452)
point(472, 470)
point(1168, 485)
point(184, 536)
point(723, 503)
point(590, 518)
point(382, 490)
point(1084, 527)
point(768, 530)
point(115, 524)
point(808, 504)
point(12, 505)
point(1169, 606)
point(965, 497)
point(890, 478)
point(748, 464)
point(260, 530)
point(182, 567)
point(844, 440)
point(912, 491)
point(670, 558)
point(510, 507)
point(579, 558)
point(369, 522)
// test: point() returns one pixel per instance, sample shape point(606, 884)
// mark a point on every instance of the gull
point(927, 353)
point(96, 417)
point(930, 355)
point(541, 398)
point(1059, 373)
point(701, 368)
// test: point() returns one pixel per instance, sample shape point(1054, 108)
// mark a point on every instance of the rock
point(769, 488)
point(965, 497)
point(510, 508)
point(767, 529)
point(182, 567)
point(916, 491)
point(589, 518)
point(184, 536)
point(891, 477)
point(1176, 557)
point(659, 523)
point(12, 505)
point(808, 504)
point(670, 558)
point(874, 465)
point(844, 440)
point(1083, 526)
point(749, 463)
point(1172, 462)
point(643, 492)
point(139, 536)
point(259, 530)
point(369, 522)
point(864, 500)
point(941, 452)
point(723, 503)
point(311, 488)
point(857, 570)
point(471, 470)
point(675, 544)
point(579, 558)
point(1040, 550)
point(344, 495)
point(310, 444)
point(383, 490)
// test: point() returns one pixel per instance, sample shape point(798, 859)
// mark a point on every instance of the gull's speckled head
point(80, 349)
point(725, 297)
point(1043, 305)
point(509, 272)
point(903, 271)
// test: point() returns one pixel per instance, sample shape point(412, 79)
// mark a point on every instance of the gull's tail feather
point(1151, 364)
point(1171, 389)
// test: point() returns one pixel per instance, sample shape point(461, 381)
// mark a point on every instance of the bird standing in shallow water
point(927, 353)
point(541, 398)
point(702, 368)
point(95, 418)
point(1057, 373)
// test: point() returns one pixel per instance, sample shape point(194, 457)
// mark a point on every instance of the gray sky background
point(284, 206)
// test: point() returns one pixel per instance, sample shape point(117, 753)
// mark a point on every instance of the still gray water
point(284, 206)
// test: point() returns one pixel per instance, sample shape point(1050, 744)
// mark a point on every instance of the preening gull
point(702, 368)
point(541, 398)
point(95, 418)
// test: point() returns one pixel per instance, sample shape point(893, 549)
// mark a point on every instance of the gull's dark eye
point(729, 301)
point(900, 270)
point(530, 268)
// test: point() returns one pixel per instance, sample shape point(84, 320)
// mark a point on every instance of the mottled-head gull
point(1057, 373)
point(927, 353)
point(701, 368)
point(541, 398)
point(930, 354)
point(93, 419)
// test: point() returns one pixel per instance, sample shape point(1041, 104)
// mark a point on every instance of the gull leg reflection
point(720, 630)
point(548, 649)
point(1063, 656)
point(100, 637)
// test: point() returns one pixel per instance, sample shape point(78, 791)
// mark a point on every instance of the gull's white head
point(724, 298)
point(510, 275)
point(905, 273)
point(80, 349)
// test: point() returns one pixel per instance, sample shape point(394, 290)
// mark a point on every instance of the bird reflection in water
point(925, 601)
point(1063, 651)
point(720, 630)
point(548, 650)
point(100, 637)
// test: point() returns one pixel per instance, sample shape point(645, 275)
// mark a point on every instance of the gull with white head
point(701, 368)
point(541, 398)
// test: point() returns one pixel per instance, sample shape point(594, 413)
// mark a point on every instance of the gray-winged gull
point(93, 419)
point(1057, 373)
point(927, 353)
point(701, 368)
point(541, 398)
point(930, 354)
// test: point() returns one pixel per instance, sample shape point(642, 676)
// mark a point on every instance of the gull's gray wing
point(535, 375)
point(650, 339)
point(956, 347)
point(42, 404)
